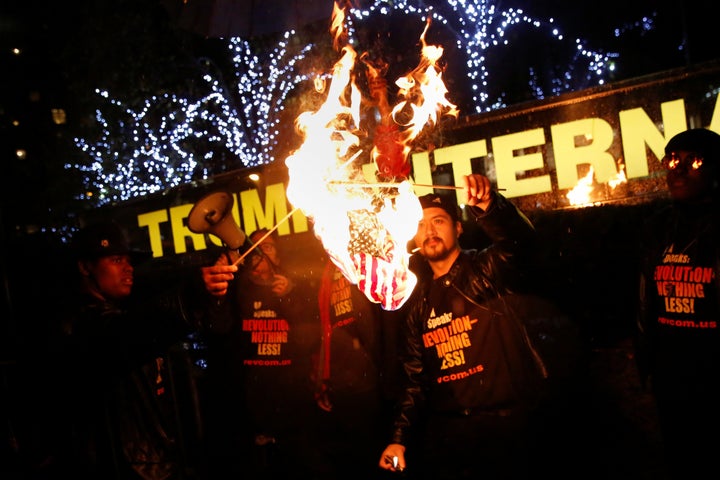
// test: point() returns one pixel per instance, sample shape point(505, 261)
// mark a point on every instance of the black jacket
point(118, 398)
point(481, 281)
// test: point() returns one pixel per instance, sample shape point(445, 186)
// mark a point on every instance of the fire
point(428, 78)
point(364, 227)
point(620, 178)
point(580, 194)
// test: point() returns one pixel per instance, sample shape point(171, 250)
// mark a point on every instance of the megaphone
point(212, 214)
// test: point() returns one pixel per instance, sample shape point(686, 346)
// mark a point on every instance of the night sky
point(83, 42)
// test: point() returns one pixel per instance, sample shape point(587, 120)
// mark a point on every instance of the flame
point(620, 178)
point(337, 26)
point(581, 192)
point(425, 85)
point(364, 229)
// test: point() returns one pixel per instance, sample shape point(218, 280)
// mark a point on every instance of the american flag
point(367, 235)
point(372, 250)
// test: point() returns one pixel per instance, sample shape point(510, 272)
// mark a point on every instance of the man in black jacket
point(679, 314)
point(471, 374)
point(113, 349)
point(262, 329)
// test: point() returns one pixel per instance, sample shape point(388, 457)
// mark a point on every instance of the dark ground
point(608, 431)
point(629, 444)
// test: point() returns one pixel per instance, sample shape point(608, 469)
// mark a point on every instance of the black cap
point(103, 239)
point(700, 140)
point(445, 202)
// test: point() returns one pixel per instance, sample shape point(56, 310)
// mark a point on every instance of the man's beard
point(437, 252)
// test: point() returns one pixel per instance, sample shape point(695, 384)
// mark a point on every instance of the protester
point(112, 352)
point(349, 388)
point(471, 376)
point(262, 331)
point(679, 342)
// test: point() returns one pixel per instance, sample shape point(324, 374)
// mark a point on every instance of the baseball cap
point(445, 202)
point(103, 239)
point(700, 140)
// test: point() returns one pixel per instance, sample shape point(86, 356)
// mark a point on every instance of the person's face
point(688, 176)
point(263, 262)
point(437, 234)
point(110, 278)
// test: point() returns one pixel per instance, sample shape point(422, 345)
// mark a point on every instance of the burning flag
point(365, 228)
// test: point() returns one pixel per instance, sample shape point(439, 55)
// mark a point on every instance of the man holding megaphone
point(262, 330)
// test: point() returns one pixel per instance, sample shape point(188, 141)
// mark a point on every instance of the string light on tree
point(480, 26)
point(171, 140)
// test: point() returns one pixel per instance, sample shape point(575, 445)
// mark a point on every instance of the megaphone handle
point(233, 256)
point(267, 234)
point(246, 252)
point(240, 258)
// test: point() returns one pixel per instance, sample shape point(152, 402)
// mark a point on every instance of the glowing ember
point(365, 229)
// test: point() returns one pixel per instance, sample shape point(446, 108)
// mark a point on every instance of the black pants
point(479, 445)
point(689, 415)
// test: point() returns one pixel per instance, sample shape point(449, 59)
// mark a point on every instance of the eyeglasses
point(265, 249)
point(255, 258)
point(691, 161)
